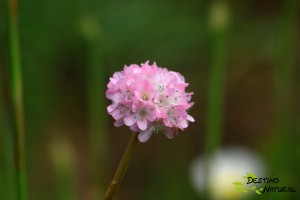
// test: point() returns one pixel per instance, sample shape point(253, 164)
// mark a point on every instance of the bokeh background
point(241, 59)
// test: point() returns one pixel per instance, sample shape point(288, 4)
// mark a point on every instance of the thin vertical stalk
point(283, 76)
point(283, 85)
point(96, 101)
point(2, 193)
point(2, 151)
point(8, 165)
point(8, 181)
point(122, 167)
point(215, 102)
point(215, 109)
point(64, 163)
point(97, 118)
point(283, 71)
point(17, 96)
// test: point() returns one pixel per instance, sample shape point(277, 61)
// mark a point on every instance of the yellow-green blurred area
point(69, 49)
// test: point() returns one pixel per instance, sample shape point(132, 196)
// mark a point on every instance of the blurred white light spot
point(227, 165)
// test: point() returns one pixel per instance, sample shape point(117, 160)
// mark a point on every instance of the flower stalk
point(97, 122)
point(215, 108)
point(283, 77)
point(17, 95)
point(219, 24)
point(122, 167)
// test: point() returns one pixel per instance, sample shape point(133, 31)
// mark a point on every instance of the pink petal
point(119, 123)
point(183, 124)
point(191, 104)
point(130, 120)
point(169, 133)
point(152, 117)
point(181, 86)
point(145, 135)
point(134, 128)
point(111, 107)
point(171, 91)
point(117, 97)
point(190, 118)
point(109, 94)
point(117, 115)
point(142, 124)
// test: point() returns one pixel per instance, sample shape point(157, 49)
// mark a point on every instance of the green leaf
point(246, 177)
point(244, 190)
point(261, 189)
point(251, 175)
point(238, 189)
point(257, 192)
point(252, 188)
point(237, 183)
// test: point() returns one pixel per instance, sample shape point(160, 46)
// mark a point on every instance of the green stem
point(17, 95)
point(95, 86)
point(8, 190)
point(215, 107)
point(2, 153)
point(64, 163)
point(283, 71)
point(119, 174)
point(214, 126)
point(8, 165)
point(283, 85)
point(97, 120)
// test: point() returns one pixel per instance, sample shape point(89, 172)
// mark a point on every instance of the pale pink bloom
point(149, 99)
point(143, 114)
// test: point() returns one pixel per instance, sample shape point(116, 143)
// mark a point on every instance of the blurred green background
point(241, 59)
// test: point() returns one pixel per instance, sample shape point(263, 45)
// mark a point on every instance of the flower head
point(149, 99)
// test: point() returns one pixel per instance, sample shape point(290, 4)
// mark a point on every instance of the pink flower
point(149, 99)
point(143, 114)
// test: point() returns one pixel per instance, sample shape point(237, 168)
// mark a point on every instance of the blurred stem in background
point(96, 102)
point(2, 150)
point(7, 169)
point(2, 182)
point(8, 177)
point(219, 19)
point(63, 156)
point(7, 166)
point(283, 89)
point(17, 96)
point(2, 129)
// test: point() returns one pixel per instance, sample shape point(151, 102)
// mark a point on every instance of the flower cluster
point(149, 99)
